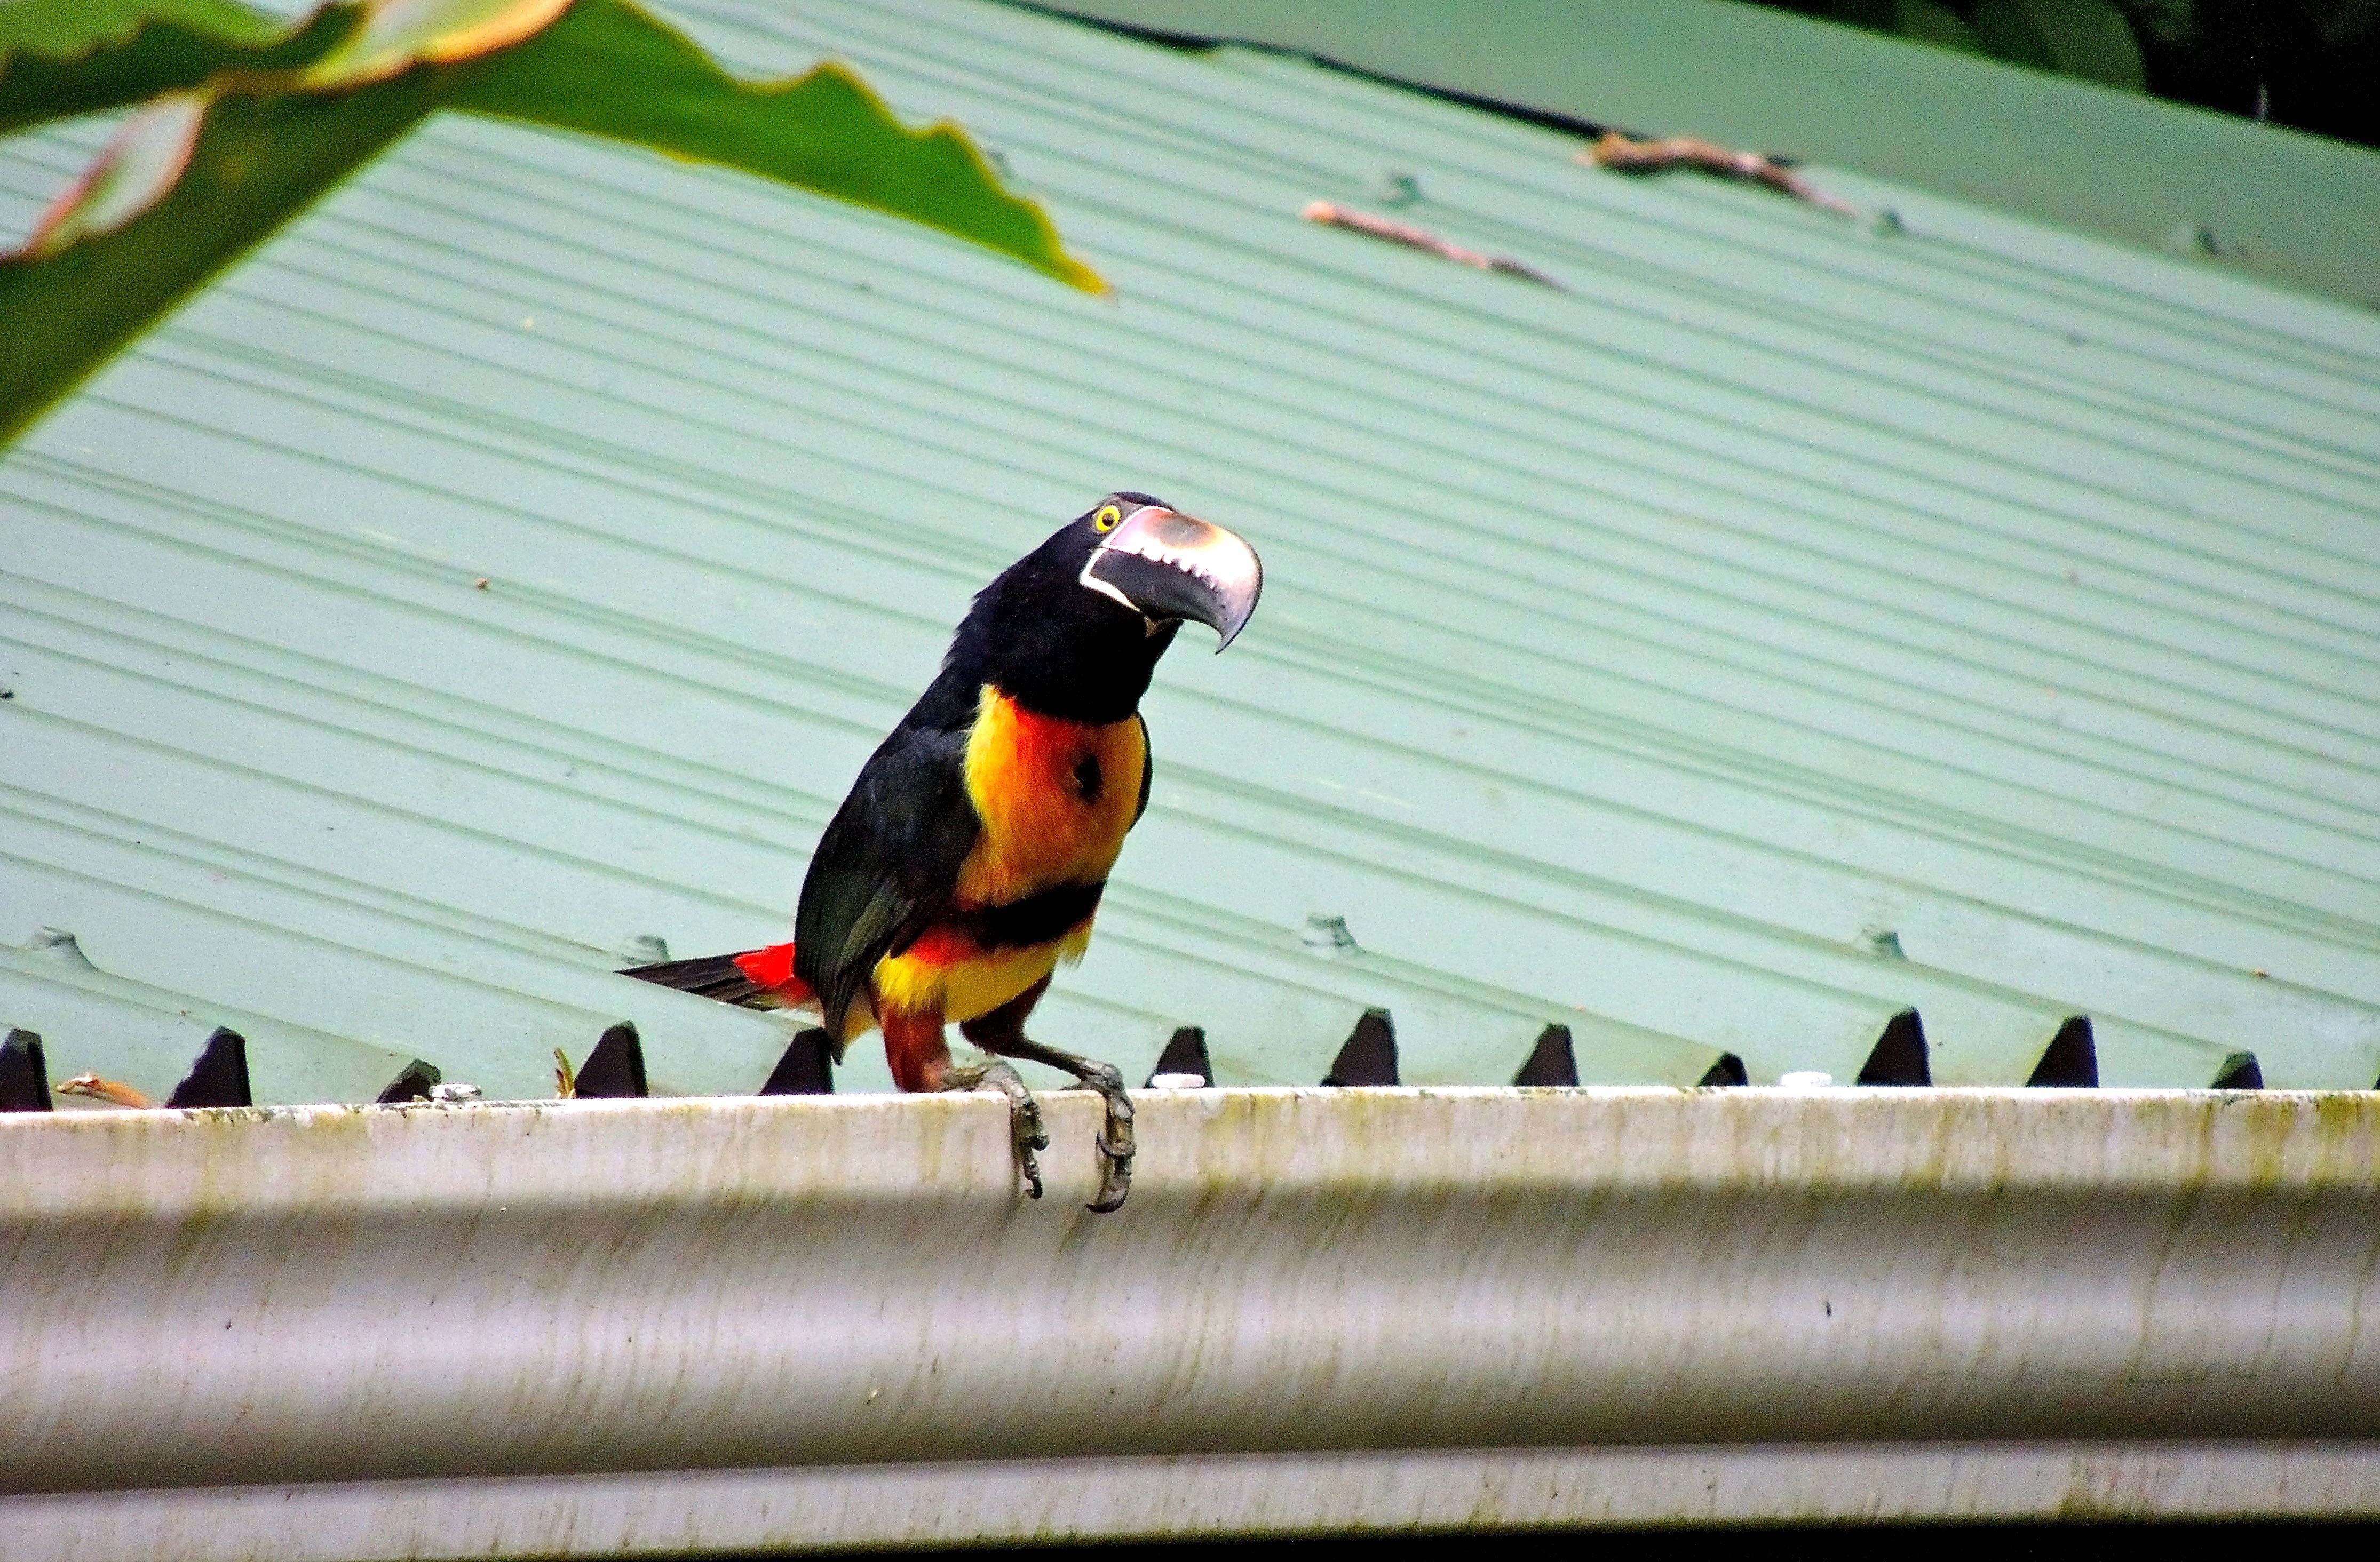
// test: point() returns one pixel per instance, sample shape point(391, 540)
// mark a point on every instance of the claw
point(1115, 1145)
point(1115, 1141)
point(1026, 1136)
point(1115, 1184)
point(1025, 1133)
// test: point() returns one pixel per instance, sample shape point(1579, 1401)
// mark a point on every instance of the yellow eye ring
point(1107, 519)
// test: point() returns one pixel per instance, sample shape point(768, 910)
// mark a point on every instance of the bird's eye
point(1105, 521)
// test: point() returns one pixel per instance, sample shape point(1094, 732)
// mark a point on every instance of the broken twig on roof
point(1427, 243)
point(1624, 154)
point(98, 1089)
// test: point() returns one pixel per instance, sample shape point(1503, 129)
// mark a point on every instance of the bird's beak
point(1163, 565)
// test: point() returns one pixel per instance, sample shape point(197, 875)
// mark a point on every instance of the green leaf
point(2086, 38)
point(63, 29)
point(825, 131)
point(2092, 39)
point(140, 164)
point(60, 58)
point(2006, 33)
point(127, 243)
point(397, 34)
point(1929, 21)
point(257, 160)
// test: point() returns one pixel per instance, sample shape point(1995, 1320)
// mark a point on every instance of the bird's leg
point(1003, 1031)
point(1024, 1130)
point(921, 1061)
point(1115, 1142)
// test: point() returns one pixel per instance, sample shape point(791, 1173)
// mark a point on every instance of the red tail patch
point(771, 969)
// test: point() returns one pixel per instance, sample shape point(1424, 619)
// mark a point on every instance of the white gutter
point(661, 1326)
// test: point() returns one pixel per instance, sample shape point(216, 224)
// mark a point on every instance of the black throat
point(1054, 645)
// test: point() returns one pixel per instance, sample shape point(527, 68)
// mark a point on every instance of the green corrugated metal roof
point(2294, 207)
point(1638, 657)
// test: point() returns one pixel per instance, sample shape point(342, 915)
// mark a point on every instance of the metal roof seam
point(1617, 495)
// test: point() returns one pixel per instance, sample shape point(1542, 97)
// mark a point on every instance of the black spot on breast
point(1088, 780)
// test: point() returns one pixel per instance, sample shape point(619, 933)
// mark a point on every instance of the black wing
point(887, 865)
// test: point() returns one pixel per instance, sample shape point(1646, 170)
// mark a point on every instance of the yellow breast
point(1056, 798)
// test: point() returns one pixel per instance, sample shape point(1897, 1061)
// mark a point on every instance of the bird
point(970, 857)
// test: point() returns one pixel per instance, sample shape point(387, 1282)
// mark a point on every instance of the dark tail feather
point(755, 979)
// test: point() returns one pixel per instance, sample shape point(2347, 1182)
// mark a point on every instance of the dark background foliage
point(2313, 64)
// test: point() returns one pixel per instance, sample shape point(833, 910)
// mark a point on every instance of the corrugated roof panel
point(2072, 154)
point(1799, 622)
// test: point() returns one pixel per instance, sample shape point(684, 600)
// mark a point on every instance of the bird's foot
point(1024, 1130)
point(1116, 1142)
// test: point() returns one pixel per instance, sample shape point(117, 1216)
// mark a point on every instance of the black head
point(1075, 628)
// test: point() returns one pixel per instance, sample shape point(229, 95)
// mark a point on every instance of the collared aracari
point(970, 856)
